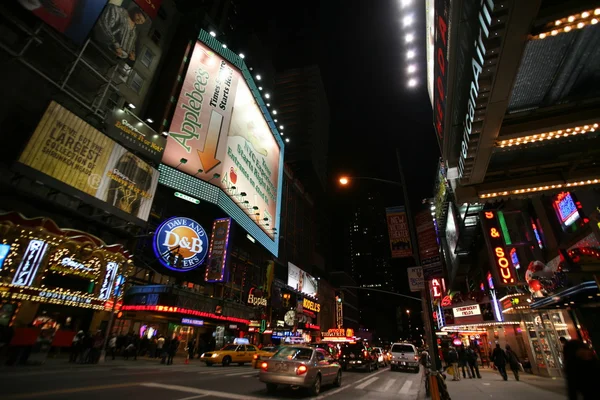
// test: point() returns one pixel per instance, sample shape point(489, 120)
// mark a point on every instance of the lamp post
point(425, 295)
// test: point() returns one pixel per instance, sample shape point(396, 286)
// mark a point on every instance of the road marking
point(194, 397)
point(486, 384)
point(68, 391)
point(388, 384)
point(213, 393)
point(366, 383)
point(238, 373)
point(406, 387)
point(336, 391)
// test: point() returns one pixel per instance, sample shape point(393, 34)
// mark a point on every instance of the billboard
point(301, 281)
point(221, 132)
point(77, 156)
point(131, 132)
point(398, 232)
point(426, 237)
point(73, 18)
point(217, 256)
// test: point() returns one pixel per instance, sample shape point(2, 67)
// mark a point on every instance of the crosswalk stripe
point(367, 383)
point(406, 387)
point(237, 373)
point(388, 384)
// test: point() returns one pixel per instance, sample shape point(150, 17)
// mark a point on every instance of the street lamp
point(344, 180)
point(408, 312)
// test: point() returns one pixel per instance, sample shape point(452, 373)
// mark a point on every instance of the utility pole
point(425, 295)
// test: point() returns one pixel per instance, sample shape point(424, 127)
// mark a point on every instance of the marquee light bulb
point(410, 54)
point(412, 82)
point(408, 20)
point(213, 34)
point(411, 69)
point(410, 37)
point(242, 56)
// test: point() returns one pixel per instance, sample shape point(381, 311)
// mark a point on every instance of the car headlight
point(215, 355)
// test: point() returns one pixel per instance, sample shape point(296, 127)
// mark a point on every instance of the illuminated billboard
point(221, 129)
point(301, 281)
point(82, 160)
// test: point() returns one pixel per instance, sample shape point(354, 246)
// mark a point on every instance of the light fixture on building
point(535, 189)
point(287, 140)
point(539, 137)
point(409, 38)
point(130, 105)
point(258, 77)
point(281, 127)
point(412, 82)
point(260, 88)
point(267, 95)
point(149, 120)
point(408, 20)
point(412, 68)
point(212, 33)
point(242, 56)
point(224, 45)
point(410, 54)
point(274, 112)
point(165, 133)
point(268, 104)
point(565, 25)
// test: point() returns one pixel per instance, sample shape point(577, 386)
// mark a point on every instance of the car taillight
point(365, 354)
point(256, 357)
point(301, 370)
point(264, 366)
point(416, 358)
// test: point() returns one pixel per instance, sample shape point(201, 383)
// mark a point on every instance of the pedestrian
point(86, 348)
point(165, 351)
point(472, 360)
point(453, 361)
point(96, 347)
point(173, 346)
point(499, 359)
point(159, 346)
point(112, 345)
point(76, 346)
point(582, 368)
point(463, 362)
point(513, 361)
point(191, 348)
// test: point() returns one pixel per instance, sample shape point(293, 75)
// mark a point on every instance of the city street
point(143, 379)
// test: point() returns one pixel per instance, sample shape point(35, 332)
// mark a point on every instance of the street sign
point(415, 279)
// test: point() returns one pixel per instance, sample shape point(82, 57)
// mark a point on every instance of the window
point(156, 36)
point(136, 82)
point(147, 57)
point(251, 348)
point(320, 356)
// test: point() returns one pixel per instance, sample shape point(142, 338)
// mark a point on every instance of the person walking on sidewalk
point(453, 361)
point(513, 361)
point(112, 345)
point(463, 362)
point(159, 346)
point(172, 349)
point(499, 359)
point(472, 360)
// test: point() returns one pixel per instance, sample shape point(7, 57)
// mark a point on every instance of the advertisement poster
point(426, 237)
point(128, 130)
point(120, 28)
point(217, 253)
point(398, 232)
point(66, 148)
point(301, 281)
point(415, 279)
point(73, 18)
point(221, 132)
point(150, 7)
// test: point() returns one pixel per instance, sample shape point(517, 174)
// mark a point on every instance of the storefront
point(57, 279)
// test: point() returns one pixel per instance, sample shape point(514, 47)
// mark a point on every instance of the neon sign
point(537, 235)
point(446, 301)
point(515, 258)
point(565, 208)
point(505, 272)
point(436, 288)
point(34, 254)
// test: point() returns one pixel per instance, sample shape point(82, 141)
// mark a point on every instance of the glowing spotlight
point(409, 38)
point(213, 34)
point(412, 68)
point(242, 56)
point(410, 54)
point(412, 82)
point(408, 20)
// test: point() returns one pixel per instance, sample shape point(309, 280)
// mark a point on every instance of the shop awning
point(586, 292)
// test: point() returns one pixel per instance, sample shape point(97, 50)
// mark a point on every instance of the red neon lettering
point(442, 28)
point(489, 214)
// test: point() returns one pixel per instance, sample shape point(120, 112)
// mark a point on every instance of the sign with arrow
point(220, 131)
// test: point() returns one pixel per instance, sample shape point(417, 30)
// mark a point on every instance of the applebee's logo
point(180, 244)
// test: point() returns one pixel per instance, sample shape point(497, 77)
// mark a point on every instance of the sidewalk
point(492, 385)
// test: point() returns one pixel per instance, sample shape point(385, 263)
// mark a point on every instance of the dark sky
point(359, 46)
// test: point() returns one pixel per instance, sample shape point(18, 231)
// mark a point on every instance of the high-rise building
point(303, 112)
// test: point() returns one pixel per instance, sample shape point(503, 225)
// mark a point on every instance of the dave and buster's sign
point(180, 244)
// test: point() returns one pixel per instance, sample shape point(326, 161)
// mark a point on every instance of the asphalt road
point(143, 380)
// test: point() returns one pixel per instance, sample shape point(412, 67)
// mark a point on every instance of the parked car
point(357, 355)
point(300, 367)
point(381, 356)
point(404, 357)
point(232, 353)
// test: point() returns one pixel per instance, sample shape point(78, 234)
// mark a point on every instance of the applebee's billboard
point(221, 132)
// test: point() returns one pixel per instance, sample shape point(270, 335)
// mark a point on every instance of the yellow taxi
point(263, 354)
point(232, 353)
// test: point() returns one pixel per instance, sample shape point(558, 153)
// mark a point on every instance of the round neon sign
point(180, 244)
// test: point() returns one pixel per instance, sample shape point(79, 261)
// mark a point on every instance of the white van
point(404, 357)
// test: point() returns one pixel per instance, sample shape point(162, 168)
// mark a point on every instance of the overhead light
point(281, 127)
point(410, 54)
point(242, 56)
point(149, 120)
point(274, 112)
point(275, 120)
point(268, 104)
point(432, 208)
point(258, 77)
point(410, 37)
point(287, 140)
point(212, 33)
point(224, 46)
point(165, 133)
point(406, 3)
point(412, 68)
point(131, 106)
point(267, 95)
point(412, 82)
point(585, 14)
point(408, 20)
point(260, 88)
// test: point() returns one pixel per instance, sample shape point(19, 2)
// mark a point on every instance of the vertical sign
point(217, 251)
point(109, 280)
point(440, 68)
point(504, 271)
point(339, 312)
point(30, 263)
point(398, 232)
point(426, 237)
point(415, 279)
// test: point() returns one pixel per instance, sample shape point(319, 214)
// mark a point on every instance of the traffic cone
point(187, 359)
